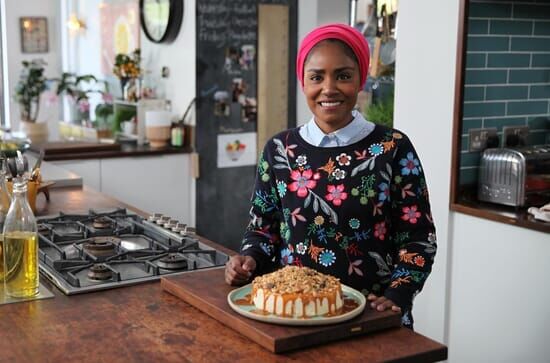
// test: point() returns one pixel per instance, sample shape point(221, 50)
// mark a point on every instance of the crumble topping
point(296, 280)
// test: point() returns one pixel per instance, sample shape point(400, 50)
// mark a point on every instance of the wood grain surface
point(275, 338)
point(142, 323)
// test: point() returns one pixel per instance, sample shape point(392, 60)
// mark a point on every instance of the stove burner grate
point(172, 261)
point(102, 223)
point(100, 272)
point(102, 246)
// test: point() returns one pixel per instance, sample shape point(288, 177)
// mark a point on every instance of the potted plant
point(72, 85)
point(381, 112)
point(32, 83)
point(127, 70)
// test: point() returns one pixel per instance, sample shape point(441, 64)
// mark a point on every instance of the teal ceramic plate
point(247, 310)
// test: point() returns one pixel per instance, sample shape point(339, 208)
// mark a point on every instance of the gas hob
point(103, 250)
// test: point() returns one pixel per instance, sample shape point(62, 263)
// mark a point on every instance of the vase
point(123, 82)
point(37, 132)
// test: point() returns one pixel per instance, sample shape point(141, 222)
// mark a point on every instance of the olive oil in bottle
point(22, 259)
point(20, 244)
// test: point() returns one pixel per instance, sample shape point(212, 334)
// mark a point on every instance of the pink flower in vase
point(51, 98)
point(107, 97)
point(83, 105)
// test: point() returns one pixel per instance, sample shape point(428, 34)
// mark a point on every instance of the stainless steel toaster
point(515, 176)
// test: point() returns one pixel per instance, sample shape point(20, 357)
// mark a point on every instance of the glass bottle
point(20, 244)
point(4, 205)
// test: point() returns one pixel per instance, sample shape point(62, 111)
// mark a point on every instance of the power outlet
point(478, 138)
point(513, 136)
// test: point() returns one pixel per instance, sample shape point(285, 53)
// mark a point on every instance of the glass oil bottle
point(20, 239)
point(4, 205)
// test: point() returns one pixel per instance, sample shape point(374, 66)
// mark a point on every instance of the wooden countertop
point(468, 204)
point(126, 150)
point(142, 323)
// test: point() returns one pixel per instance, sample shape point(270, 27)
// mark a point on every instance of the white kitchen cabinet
point(156, 184)
point(89, 170)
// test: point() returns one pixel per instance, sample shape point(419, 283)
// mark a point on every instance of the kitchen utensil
point(35, 172)
point(18, 165)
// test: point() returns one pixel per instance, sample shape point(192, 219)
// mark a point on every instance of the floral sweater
point(359, 212)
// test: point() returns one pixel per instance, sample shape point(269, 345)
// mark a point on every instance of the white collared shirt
point(356, 130)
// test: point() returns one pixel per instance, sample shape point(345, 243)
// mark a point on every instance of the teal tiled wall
point(507, 75)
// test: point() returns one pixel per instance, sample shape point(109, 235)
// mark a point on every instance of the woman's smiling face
point(331, 84)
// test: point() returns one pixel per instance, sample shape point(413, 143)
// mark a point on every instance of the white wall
point(14, 10)
point(179, 57)
point(424, 94)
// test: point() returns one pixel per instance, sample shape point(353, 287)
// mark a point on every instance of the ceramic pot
point(158, 136)
point(37, 132)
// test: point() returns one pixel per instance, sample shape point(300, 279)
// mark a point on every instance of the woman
point(340, 194)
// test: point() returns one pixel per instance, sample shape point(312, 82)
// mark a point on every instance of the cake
point(297, 292)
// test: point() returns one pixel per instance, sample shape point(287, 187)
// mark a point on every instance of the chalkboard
point(226, 45)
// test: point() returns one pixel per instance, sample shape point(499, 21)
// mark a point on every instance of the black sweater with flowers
point(359, 212)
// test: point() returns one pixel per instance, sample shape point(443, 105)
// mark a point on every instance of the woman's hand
point(381, 303)
point(239, 269)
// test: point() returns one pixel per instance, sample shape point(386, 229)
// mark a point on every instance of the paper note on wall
point(236, 149)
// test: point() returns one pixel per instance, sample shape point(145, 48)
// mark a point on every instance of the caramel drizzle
point(348, 305)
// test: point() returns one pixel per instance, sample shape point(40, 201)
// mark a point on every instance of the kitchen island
point(142, 323)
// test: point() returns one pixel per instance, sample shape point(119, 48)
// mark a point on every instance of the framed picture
point(34, 34)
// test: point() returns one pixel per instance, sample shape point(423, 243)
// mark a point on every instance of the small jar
point(177, 135)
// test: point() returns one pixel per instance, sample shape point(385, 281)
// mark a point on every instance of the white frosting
point(274, 304)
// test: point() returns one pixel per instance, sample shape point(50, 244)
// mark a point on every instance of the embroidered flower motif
point(376, 149)
point(336, 194)
point(339, 174)
point(286, 257)
point(284, 231)
point(354, 223)
point(319, 220)
point(301, 248)
point(419, 261)
point(360, 155)
point(296, 216)
point(266, 248)
point(327, 258)
point(411, 214)
point(301, 160)
point(302, 182)
point(281, 188)
point(431, 237)
point(380, 230)
point(410, 165)
point(384, 192)
point(343, 159)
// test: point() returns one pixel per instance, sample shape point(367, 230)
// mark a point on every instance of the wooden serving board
point(207, 291)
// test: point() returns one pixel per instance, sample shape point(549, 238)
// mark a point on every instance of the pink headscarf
point(343, 32)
